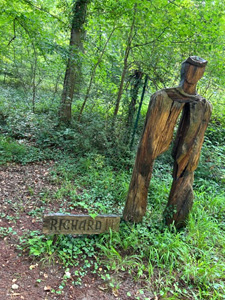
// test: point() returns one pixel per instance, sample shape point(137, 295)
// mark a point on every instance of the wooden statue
point(163, 111)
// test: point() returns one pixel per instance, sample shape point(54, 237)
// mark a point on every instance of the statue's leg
point(156, 138)
point(186, 153)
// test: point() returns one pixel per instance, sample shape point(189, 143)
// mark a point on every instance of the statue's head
point(192, 70)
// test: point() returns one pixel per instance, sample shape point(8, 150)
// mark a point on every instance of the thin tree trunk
point(132, 105)
point(93, 75)
point(139, 111)
point(56, 87)
point(73, 69)
point(34, 82)
point(125, 64)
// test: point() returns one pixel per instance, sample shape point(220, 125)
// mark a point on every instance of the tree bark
point(73, 68)
point(134, 95)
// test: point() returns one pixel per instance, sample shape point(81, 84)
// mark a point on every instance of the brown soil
point(21, 188)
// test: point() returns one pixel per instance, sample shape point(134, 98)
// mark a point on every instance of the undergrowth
point(94, 175)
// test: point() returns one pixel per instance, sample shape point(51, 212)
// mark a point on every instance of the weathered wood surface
point(157, 135)
point(79, 224)
point(186, 154)
point(163, 111)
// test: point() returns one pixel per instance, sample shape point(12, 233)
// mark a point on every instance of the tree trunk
point(125, 64)
point(93, 75)
point(56, 86)
point(73, 68)
point(136, 83)
point(34, 67)
point(139, 111)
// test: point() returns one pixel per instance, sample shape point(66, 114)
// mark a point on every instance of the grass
point(16, 151)
point(187, 264)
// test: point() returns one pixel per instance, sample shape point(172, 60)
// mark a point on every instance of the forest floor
point(21, 277)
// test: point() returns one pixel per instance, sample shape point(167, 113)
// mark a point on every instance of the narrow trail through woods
point(22, 208)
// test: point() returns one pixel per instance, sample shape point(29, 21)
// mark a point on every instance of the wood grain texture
point(79, 224)
point(164, 109)
point(186, 154)
point(156, 137)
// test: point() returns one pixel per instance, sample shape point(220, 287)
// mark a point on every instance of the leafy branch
point(43, 10)
point(14, 32)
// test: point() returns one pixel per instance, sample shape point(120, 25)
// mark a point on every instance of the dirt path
point(22, 278)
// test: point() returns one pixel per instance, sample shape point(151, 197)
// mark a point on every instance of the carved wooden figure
point(163, 111)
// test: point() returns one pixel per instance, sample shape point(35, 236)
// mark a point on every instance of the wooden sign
point(79, 224)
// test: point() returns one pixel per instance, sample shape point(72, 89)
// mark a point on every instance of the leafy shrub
point(13, 151)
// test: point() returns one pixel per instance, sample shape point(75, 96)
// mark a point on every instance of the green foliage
point(10, 151)
point(65, 248)
point(13, 151)
point(4, 231)
point(79, 252)
point(92, 163)
point(213, 155)
point(168, 259)
point(176, 264)
point(35, 39)
point(97, 192)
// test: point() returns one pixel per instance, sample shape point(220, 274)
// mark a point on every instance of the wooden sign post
point(79, 224)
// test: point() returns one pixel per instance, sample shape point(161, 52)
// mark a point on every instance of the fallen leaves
point(47, 288)
point(33, 266)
